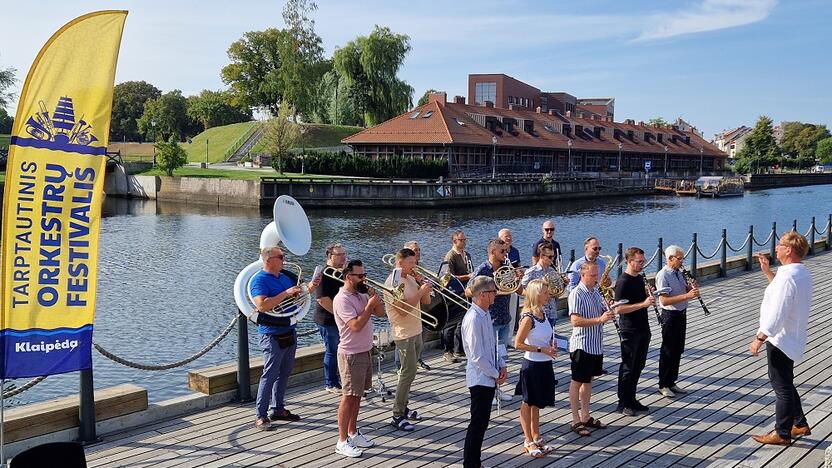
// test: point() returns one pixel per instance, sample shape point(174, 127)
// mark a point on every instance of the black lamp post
point(620, 145)
point(494, 157)
point(569, 146)
point(666, 172)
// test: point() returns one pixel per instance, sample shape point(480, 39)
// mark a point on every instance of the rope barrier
point(707, 257)
point(172, 365)
point(655, 254)
point(18, 390)
point(307, 333)
point(765, 242)
point(822, 231)
point(690, 249)
point(740, 247)
point(809, 232)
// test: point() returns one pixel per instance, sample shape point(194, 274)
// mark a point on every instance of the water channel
point(166, 270)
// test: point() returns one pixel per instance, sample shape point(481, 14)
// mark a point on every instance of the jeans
point(409, 351)
point(503, 333)
point(329, 333)
point(673, 344)
point(634, 345)
point(277, 366)
point(481, 397)
point(788, 409)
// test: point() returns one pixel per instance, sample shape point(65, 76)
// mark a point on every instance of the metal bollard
point(660, 256)
point(243, 364)
point(812, 238)
point(723, 259)
point(693, 253)
point(794, 225)
point(572, 256)
point(829, 232)
point(749, 253)
point(620, 258)
point(86, 408)
point(772, 255)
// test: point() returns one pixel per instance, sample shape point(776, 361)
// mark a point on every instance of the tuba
point(291, 228)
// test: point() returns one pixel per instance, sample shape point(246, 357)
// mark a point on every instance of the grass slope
point(219, 139)
point(319, 136)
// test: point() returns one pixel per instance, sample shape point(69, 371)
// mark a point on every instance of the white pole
point(2, 424)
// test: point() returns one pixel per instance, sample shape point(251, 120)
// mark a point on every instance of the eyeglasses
point(460, 239)
point(359, 275)
point(489, 291)
point(596, 249)
point(277, 256)
point(549, 256)
point(548, 229)
point(339, 254)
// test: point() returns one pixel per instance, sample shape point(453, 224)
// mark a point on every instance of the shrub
point(346, 164)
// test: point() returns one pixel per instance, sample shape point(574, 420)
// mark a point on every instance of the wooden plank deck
point(730, 399)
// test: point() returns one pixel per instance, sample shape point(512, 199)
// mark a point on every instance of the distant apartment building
point(732, 141)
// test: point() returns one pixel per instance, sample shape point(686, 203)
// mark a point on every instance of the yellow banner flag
point(52, 199)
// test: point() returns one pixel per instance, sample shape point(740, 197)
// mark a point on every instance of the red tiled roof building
point(527, 141)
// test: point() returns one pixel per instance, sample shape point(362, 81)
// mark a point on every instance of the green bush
point(345, 164)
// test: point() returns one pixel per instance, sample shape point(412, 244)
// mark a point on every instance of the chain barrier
point(18, 390)
point(172, 365)
point(742, 247)
point(708, 257)
point(765, 242)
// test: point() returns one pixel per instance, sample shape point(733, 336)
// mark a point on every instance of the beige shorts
point(356, 373)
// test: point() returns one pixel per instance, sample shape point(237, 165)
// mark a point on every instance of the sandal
point(401, 423)
point(545, 448)
point(412, 415)
point(533, 450)
point(580, 429)
point(595, 423)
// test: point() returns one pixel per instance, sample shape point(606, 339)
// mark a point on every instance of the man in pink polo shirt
point(352, 307)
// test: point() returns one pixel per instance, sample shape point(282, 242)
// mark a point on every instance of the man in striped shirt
point(588, 313)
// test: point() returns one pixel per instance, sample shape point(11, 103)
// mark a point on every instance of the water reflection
point(167, 269)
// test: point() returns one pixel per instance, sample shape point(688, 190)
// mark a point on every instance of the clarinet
point(615, 316)
point(691, 283)
point(649, 290)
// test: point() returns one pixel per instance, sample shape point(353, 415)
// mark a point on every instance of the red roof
point(451, 123)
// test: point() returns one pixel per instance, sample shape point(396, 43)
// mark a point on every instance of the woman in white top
point(535, 336)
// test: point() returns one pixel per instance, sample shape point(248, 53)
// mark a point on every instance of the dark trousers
point(788, 409)
point(634, 345)
point(481, 397)
point(673, 345)
point(452, 333)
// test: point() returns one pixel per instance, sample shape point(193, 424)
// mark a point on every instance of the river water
point(166, 270)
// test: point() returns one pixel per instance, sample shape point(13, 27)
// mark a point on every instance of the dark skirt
point(537, 383)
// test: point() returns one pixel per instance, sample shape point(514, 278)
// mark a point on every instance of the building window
point(485, 92)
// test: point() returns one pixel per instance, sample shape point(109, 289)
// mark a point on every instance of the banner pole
point(2, 423)
point(86, 409)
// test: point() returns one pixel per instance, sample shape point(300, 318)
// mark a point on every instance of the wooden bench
point(62, 413)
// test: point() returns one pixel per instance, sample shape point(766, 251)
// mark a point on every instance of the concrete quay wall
point(767, 181)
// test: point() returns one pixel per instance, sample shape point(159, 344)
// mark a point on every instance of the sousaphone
point(290, 228)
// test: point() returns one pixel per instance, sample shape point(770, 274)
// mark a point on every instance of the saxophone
point(608, 292)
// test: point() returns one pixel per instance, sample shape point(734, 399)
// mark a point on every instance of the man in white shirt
point(784, 318)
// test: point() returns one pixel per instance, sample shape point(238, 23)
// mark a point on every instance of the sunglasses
point(548, 229)
point(596, 249)
point(278, 256)
point(549, 256)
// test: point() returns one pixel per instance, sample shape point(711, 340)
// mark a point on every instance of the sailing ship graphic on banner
point(61, 128)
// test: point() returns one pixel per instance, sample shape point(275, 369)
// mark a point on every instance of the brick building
point(524, 141)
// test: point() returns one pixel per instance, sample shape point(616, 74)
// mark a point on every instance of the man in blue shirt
point(592, 252)
point(268, 288)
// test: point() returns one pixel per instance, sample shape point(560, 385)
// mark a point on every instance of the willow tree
point(370, 64)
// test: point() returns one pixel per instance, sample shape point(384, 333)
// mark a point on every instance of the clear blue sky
point(717, 63)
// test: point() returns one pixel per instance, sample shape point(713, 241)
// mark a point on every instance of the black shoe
point(604, 372)
point(423, 365)
point(460, 356)
point(628, 411)
point(638, 407)
point(286, 415)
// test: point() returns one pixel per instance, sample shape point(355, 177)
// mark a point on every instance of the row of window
point(485, 92)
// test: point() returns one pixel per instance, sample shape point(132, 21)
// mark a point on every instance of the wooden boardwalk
point(730, 398)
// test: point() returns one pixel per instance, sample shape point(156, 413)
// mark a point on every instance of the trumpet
point(440, 282)
point(506, 280)
point(394, 297)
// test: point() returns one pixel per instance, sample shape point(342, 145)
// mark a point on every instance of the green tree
point(215, 108)
point(824, 151)
point(280, 136)
point(6, 121)
point(424, 99)
point(800, 139)
point(660, 121)
point(370, 64)
point(253, 73)
point(170, 156)
point(7, 80)
point(129, 99)
point(761, 148)
point(301, 57)
point(333, 104)
point(166, 116)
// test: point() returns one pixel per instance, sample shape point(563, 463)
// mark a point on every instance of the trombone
point(393, 297)
point(441, 282)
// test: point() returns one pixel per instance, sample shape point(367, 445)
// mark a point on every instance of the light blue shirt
point(669, 278)
point(575, 276)
point(480, 344)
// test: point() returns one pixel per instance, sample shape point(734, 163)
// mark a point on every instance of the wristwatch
point(760, 339)
point(538, 349)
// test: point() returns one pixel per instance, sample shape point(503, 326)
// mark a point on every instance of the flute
point(692, 283)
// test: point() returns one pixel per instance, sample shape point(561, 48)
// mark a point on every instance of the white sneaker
point(505, 396)
point(346, 449)
point(667, 392)
point(359, 440)
point(333, 390)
